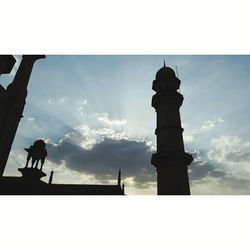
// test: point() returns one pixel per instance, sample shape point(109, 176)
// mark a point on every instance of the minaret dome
point(166, 80)
point(165, 73)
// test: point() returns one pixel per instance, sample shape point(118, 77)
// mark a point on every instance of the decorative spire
point(119, 178)
point(51, 177)
point(164, 65)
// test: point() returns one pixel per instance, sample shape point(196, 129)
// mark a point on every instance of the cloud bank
point(104, 158)
point(101, 152)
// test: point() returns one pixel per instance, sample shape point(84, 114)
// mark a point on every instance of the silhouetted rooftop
point(13, 185)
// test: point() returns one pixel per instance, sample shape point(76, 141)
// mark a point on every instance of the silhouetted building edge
point(30, 184)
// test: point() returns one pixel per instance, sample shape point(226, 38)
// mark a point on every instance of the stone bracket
point(171, 158)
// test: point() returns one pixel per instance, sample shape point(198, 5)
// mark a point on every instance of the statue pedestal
point(32, 174)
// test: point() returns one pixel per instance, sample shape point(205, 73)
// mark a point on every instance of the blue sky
point(89, 108)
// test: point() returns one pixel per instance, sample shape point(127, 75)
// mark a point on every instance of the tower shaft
point(170, 159)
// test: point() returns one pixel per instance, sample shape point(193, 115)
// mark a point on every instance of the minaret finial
point(164, 63)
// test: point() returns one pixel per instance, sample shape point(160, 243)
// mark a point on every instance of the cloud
point(81, 110)
point(30, 119)
point(230, 149)
point(194, 135)
point(201, 168)
point(229, 184)
point(188, 138)
point(238, 157)
point(83, 102)
point(105, 157)
point(81, 105)
point(59, 101)
point(209, 124)
point(223, 169)
point(100, 153)
point(99, 133)
point(105, 118)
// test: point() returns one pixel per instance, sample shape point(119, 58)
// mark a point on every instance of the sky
point(95, 114)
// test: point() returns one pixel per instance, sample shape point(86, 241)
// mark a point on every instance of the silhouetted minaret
point(15, 96)
point(170, 161)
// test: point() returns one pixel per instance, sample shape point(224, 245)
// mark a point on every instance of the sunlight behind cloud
point(84, 100)
point(105, 118)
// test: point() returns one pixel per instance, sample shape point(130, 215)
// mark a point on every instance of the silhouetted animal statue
point(37, 152)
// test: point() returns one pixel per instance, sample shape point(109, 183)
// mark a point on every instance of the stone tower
point(170, 160)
